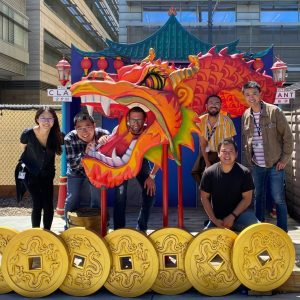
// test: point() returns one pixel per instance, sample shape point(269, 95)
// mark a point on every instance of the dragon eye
point(154, 81)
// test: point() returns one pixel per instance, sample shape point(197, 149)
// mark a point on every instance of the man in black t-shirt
point(226, 191)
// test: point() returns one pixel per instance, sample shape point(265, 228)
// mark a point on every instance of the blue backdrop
point(190, 192)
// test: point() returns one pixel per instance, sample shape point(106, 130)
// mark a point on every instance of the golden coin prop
point(90, 262)
point(208, 262)
point(134, 263)
point(35, 262)
point(171, 245)
point(6, 234)
point(263, 257)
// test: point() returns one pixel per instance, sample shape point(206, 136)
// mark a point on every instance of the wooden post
point(165, 187)
point(179, 191)
point(103, 211)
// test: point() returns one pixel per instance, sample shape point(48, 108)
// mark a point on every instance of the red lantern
point(86, 64)
point(258, 64)
point(118, 63)
point(102, 63)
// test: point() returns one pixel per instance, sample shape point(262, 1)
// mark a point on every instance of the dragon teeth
point(105, 103)
point(132, 144)
point(90, 109)
point(116, 159)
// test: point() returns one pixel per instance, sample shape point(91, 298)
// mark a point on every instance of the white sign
point(61, 94)
point(283, 96)
point(62, 99)
point(58, 92)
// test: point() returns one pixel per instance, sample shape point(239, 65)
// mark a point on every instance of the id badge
point(258, 146)
point(21, 175)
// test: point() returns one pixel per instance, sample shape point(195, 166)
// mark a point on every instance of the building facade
point(35, 35)
point(14, 28)
point(256, 24)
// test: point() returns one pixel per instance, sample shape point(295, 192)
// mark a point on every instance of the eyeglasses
point(86, 128)
point(44, 120)
point(139, 121)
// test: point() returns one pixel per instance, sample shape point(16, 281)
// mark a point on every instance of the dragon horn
point(223, 51)
point(179, 75)
point(212, 50)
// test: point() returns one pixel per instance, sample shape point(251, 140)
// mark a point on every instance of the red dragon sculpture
point(172, 99)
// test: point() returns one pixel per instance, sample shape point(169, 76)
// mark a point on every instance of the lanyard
point(210, 133)
point(257, 126)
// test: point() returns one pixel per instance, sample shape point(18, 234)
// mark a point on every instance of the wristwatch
point(152, 176)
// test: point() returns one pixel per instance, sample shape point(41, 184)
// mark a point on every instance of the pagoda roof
point(171, 42)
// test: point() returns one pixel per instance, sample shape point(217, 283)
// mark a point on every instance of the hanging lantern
point(258, 64)
point(102, 63)
point(86, 64)
point(279, 72)
point(118, 63)
point(63, 68)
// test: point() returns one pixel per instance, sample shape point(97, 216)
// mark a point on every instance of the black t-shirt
point(38, 160)
point(226, 188)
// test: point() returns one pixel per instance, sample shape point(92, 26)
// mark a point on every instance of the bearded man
point(214, 128)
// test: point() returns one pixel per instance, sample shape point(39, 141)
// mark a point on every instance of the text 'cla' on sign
point(283, 96)
point(60, 95)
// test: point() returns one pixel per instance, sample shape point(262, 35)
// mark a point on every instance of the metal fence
point(13, 120)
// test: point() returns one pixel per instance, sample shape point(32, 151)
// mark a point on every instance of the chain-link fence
point(13, 120)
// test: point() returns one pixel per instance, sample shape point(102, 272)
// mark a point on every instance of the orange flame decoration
point(172, 99)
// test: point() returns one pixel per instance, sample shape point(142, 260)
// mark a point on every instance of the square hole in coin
point(264, 257)
point(216, 262)
point(126, 263)
point(170, 261)
point(78, 261)
point(34, 263)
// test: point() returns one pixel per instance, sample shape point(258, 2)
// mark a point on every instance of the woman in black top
point(41, 143)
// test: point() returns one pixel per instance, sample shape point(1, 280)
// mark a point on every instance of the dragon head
point(170, 97)
point(169, 120)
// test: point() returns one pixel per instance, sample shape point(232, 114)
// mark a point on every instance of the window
point(279, 13)
point(1, 27)
point(222, 13)
point(13, 27)
point(54, 49)
point(21, 36)
point(219, 17)
point(80, 29)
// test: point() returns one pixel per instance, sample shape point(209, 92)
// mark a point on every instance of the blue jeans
point(121, 198)
point(244, 220)
point(275, 180)
point(80, 192)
